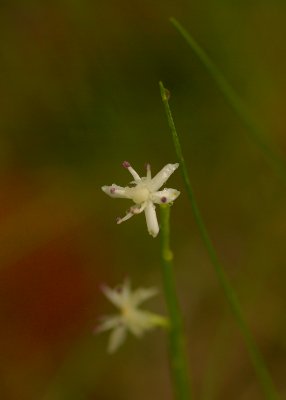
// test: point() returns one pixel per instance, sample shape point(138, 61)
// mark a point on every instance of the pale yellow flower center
point(140, 194)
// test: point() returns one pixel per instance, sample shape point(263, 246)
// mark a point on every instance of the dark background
point(79, 95)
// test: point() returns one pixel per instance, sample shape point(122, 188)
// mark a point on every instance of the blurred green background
point(79, 94)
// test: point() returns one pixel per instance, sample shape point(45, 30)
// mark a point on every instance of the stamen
point(112, 190)
point(148, 168)
point(163, 199)
point(127, 216)
point(126, 164)
point(138, 210)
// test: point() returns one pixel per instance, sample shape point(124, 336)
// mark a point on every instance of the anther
point(126, 164)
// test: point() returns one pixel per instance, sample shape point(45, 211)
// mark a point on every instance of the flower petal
point(108, 322)
point(125, 292)
point(141, 322)
point(116, 191)
point(136, 328)
point(165, 196)
point(116, 338)
point(113, 295)
point(162, 177)
point(140, 295)
point(151, 219)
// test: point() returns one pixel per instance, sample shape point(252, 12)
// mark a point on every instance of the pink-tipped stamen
point(126, 164)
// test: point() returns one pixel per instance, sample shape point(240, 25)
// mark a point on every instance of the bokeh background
point(79, 94)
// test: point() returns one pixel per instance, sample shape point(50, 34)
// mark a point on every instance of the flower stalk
point(231, 297)
point(178, 359)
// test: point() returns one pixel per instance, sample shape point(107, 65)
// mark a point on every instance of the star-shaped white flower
point(130, 317)
point(145, 193)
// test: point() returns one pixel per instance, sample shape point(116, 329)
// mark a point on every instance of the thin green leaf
point(255, 355)
point(256, 133)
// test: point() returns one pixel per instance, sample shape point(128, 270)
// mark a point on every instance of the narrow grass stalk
point(255, 132)
point(256, 358)
point(178, 357)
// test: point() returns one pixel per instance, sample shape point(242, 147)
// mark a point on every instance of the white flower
point(130, 318)
point(145, 193)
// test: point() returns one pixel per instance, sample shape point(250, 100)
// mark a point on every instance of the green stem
point(177, 344)
point(256, 133)
point(256, 358)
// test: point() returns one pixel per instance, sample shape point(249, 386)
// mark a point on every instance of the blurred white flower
point(130, 317)
point(145, 193)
